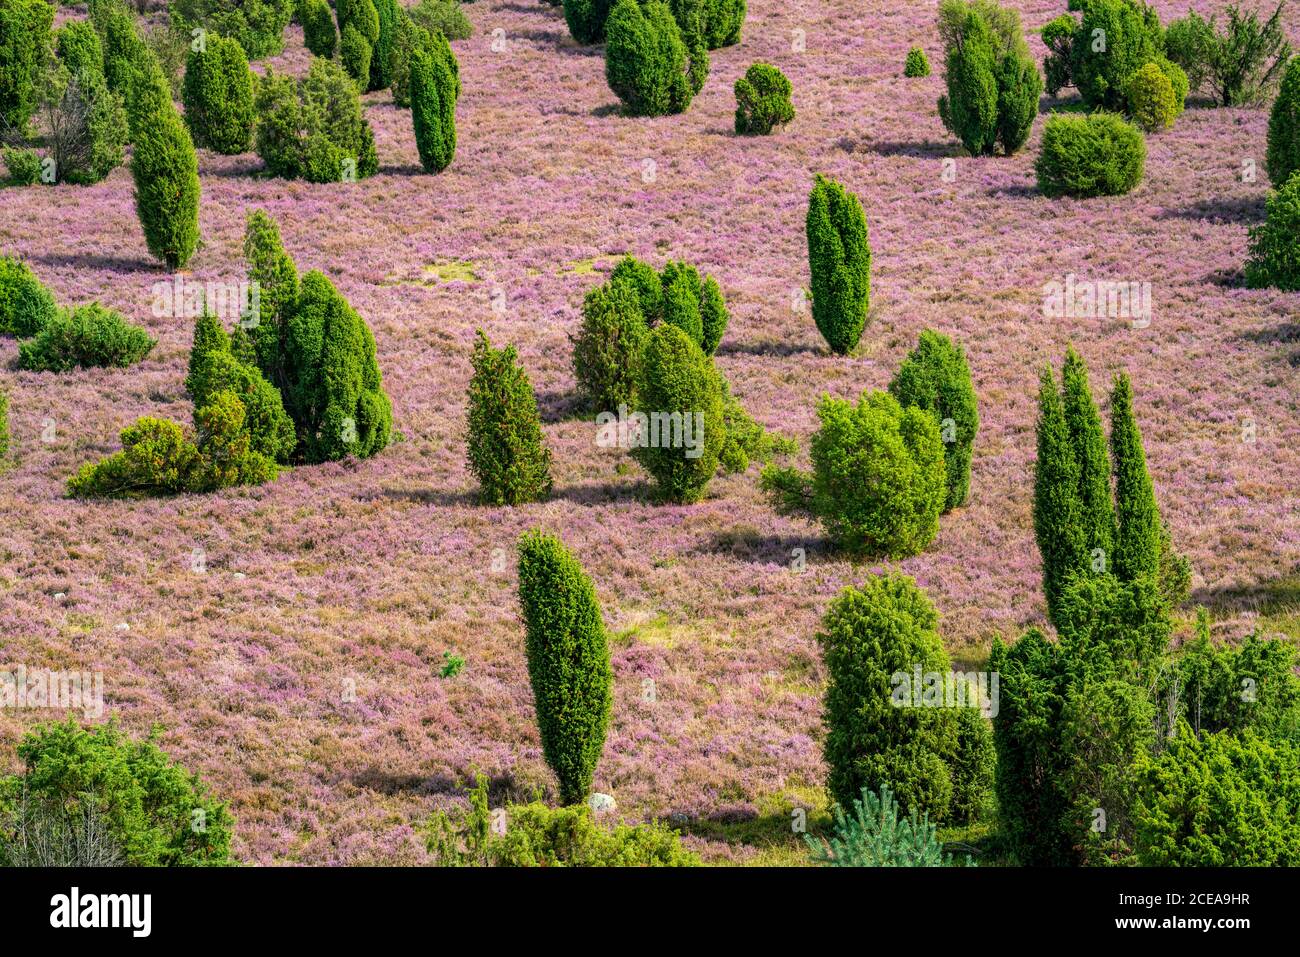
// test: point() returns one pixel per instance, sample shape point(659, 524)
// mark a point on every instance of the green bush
point(1058, 37)
point(314, 128)
point(318, 31)
point(1274, 253)
point(568, 661)
point(1283, 156)
point(165, 169)
point(1102, 63)
point(24, 166)
point(1096, 514)
point(258, 25)
point(381, 71)
point(681, 394)
point(762, 100)
point(26, 306)
point(936, 377)
point(214, 369)
point(87, 126)
point(407, 38)
point(1095, 155)
point(972, 766)
point(646, 59)
point(78, 47)
point(1223, 800)
point(442, 16)
point(355, 54)
point(874, 835)
point(225, 446)
point(1151, 99)
point(716, 22)
point(586, 19)
point(434, 90)
point(25, 45)
point(917, 64)
point(218, 96)
point(363, 16)
point(869, 636)
point(992, 83)
point(154, 811)
point(609, 347)
point(539, 836)
point(506, 451)
point(125, 51)
point(334, 391)
point(277, 284)
point(1241, 65)
point(878, 482)
point(839, 258)
point(85, 337)
point(1137, 517)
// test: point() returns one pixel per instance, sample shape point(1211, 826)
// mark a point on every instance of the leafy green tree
point(1058, 37)
point(165, 169)
point(568, 661)
point(434, 89)
point(381, 76)
point(878, 482)
point(936, 377)
point(869, 637)
point(610, 346)
point(218, 96)
point(78, 47)
point(646, 59)
point(258, 25)
point(1058, 511)
point(586, 19)
point(1283, 156)
point(314, 128)
point(276, 279)
point(970, 107)
point(762, 100)
point(1114, 40)
point(506, 451)
point(355, 54)
point(409, 36)
point(839, 258)
point(26, 306)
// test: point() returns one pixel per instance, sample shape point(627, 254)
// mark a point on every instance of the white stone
point(601, 802)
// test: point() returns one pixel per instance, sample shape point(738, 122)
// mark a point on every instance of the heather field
point(297, 672)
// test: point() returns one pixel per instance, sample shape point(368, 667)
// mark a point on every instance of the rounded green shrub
point(917, 63)
point(165, 169)
point(839, 258)
point(1274, 246)
point(25, 45)
point(314, 128)
point(716, 22)
point(646, 60)
point(334, 390)
point(23, 166)
point(156, 814)
point(85, 337)
point(319, 33)
point(156, 459)
point(506, 451)
point(586, 19)
point(218, 96)
point(936, 377)
point(258, 25)
point(609, 347)
point(354, 54)
point(568, 661)
point(1095, 155)
point(681, 396)
point(442, 16)
point(762, 100)
point(878, 482)
point(1283, 155)
point(681, 299)
point(1114, 40)
point(870, 636)
point(79, 48)
point(1151, 99)
point(434, 89)
point(26, 306)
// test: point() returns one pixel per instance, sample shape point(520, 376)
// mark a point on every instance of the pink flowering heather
point(288, 637)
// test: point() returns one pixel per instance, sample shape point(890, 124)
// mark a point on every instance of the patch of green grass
point(776, 832)
point(453, 271)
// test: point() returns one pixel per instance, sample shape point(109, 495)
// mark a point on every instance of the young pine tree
point(433, 109)
point(1058, 521)
point(506, 451)
point(568, 661)
point(1096, 515)
point(1138, 529)
point(165, 169)
point(839, 258)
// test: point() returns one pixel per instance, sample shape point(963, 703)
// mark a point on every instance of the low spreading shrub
point(1151, 99)
point(258, 25)
point(314, 128)
point(1095, 155)
point(26, 306)
point(23, 166)
point(84, 337)
point(442, 16)
point(762, 100)
point(878, 481)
